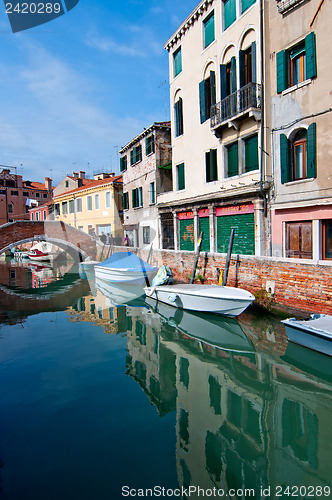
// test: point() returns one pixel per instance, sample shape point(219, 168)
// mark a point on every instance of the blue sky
point(77, 89)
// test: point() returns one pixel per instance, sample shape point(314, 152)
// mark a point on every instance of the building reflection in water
point(251, 415)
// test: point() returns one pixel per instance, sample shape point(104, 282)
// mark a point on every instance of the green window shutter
point(213, 87)
point(181, 178)
point(177, 58)
point(132, 161)
point(285, 164)
point(233, 159)
point(204, 227)
point(254, 62)
point(178, 110)
point(223, 82)
point(251, 153)
point(186, 236)
point(246, 4)
point(147, 145)
point(229, 12)
point(282, 73)
point(233, 74)
point(242, 68)
point(209, 30)
point(207, 166)
point(213, 165)
point(202, 101)
point(133, 198)
point(123, 163)
point(310, 55)
point(311, 151)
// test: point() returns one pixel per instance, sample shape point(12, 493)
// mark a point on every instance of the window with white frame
point(108, 199)
point(89, 203)
point(78, 204)
point(96, 201)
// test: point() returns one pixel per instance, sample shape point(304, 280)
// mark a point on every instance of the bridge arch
point(78, 244)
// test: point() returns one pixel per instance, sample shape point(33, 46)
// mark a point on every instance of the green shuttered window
point(178, 113)
point(207, 96)
point(298, 155)
point(251, 153)
point(297, 63)
point(180, 177)
point(177, 62)
point(211, 168)
point(136, 154)
point(149, 144)
point(208, 24)
point(123, 163)
point(229, 12)
point(233, 159)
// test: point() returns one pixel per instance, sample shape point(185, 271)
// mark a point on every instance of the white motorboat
point(314, 333)
point(126, 268)
point(88, 265)
point(42, 251)
point(215, 299)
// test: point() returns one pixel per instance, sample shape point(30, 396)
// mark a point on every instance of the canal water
point(106, 396)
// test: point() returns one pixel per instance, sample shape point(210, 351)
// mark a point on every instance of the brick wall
point(297, 284)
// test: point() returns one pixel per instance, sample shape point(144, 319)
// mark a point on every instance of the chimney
point(48, 184)
point(82, 174)
point(111, 174)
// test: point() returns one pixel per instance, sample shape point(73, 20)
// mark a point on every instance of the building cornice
point(187, 23)
point(146, 132)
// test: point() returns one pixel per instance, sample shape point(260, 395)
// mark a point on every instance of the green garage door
point(244, 239)
point(204, 226)
point(187, 234)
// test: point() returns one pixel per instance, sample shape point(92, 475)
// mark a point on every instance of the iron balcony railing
point(237, 103)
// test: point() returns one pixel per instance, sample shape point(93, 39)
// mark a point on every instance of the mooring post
point(228, 259)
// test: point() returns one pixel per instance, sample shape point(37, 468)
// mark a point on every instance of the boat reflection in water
point(120, 293)
point(245, 418)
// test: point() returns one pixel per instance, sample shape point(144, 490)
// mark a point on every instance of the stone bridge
point(74, 241)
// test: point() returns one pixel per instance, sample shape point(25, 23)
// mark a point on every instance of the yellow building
point(94, 207)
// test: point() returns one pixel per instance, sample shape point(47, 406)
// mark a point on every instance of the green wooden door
point(244, 239)
point(187, 234)
point(204, 226)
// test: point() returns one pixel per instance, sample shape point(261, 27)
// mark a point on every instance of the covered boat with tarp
point(127, 268)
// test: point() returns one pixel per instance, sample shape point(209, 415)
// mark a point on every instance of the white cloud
point(56, 122)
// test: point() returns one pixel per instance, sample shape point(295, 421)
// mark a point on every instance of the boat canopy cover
point(127, 261)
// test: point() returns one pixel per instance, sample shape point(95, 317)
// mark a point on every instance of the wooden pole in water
point(199, 244)
point(229, 254)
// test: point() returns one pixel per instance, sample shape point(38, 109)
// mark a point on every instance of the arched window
point(298, 155)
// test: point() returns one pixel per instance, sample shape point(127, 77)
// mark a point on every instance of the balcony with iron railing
point(237, 106)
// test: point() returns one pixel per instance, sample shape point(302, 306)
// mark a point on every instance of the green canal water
point(105, 396)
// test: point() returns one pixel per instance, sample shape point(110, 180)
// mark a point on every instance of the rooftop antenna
point(164, 84)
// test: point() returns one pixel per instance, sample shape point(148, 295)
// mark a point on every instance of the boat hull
point(315, 333)
point(203, 298)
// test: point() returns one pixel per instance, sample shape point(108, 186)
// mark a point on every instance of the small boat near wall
point(314, 333)
point(215, 299)
point(126, 268)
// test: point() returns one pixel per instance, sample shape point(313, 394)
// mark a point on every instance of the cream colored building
point(94, 207)
point(299, 82)
point(219, 177)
